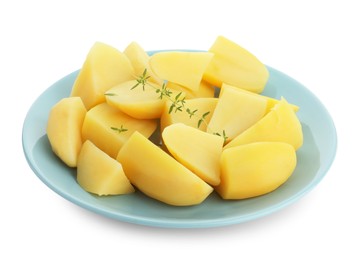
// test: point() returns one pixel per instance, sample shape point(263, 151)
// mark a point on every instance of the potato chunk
point(255, 169)
point(236, 66)
point(235, 112)
point(140, 62)
point(159, 175)
point(271, 102)
point(103, 68)
point(183, 68)
point(100, 126)
point(138, 102)
point(64, 129)
point(281, 124)
point(199, 151)
point(100, 174)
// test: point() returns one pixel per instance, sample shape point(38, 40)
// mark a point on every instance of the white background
point(313, 41)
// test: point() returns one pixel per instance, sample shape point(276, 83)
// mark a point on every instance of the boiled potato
point(199, 151)
point(255, 169)
point(100, 126)
point(103, 68)
point(159, 175)
point(236, 66)
point(235, 112)
point(99, 173)
point(64, 129)
point(140, 62)
point(136, 102)
point(271, 102)
point(183, 68)
point(281, 124)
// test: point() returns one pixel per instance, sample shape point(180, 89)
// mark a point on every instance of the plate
point(314, 160)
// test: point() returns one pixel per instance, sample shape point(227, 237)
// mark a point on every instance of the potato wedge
point(64, 129)
point(159, 175)
point(255, 169)
point(99, 173)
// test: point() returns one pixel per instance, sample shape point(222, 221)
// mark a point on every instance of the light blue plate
point(314, 159)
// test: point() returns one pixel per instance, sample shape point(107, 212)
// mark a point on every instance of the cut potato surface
point(103, 68)
point(235, 112)
point(281, 124)
point(199, 151)
point(136, 102)
point(140, 62)
point(183, 68)
point(64, 129)
point(271, 102)
point(101, 124)
point(255, 169)
point(99, 173)
point(236, 66)
point(160, 176)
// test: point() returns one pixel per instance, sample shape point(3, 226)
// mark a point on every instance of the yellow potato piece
point(199, 151)
point(271, 102)
point(236, 66)
point(202, 105)
point(100, 126)
point(255, 169)
point(103, 68)
point(64, 129)
point(183, 68)
point(205, 90)
point(99, 173)
point(281, 124)
point(159, 175)
point(140, 62)
point(235, 112)
point(137, 102)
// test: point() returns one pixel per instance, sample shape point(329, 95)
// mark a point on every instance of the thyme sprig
point(163, 91)
point(119, 129)
point(223, 135)
point(202, 119)
point(142, 80)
